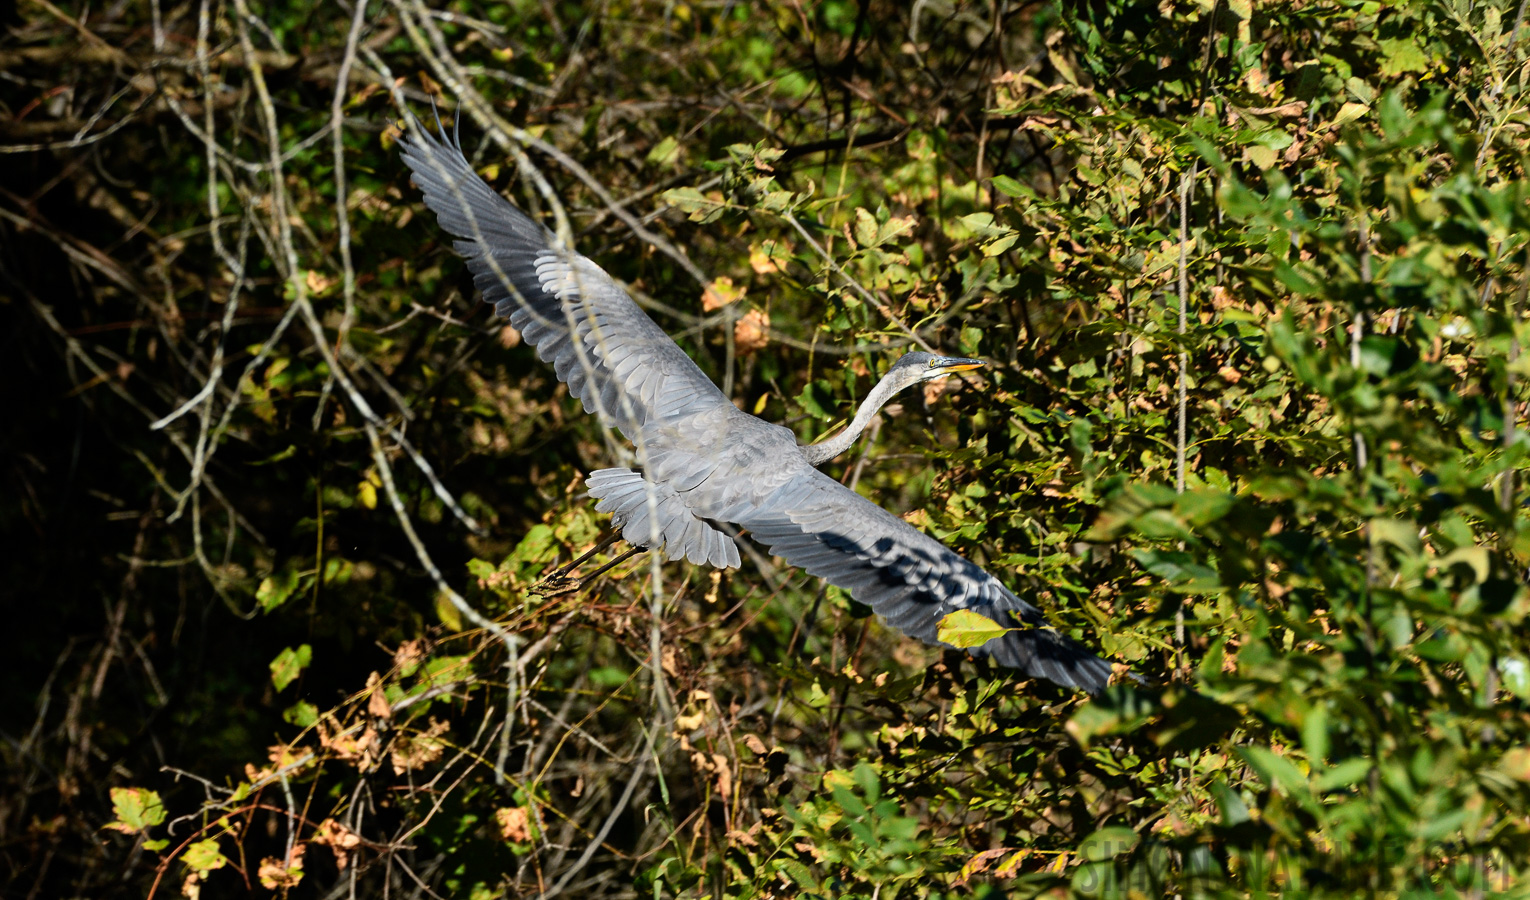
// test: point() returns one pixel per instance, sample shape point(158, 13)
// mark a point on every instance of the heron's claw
point(556, 585)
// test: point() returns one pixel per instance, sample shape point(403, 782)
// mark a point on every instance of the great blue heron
point(703, 460)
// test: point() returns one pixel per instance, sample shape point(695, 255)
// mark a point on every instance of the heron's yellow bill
point(948, 364)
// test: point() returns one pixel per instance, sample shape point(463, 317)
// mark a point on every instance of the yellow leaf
point(965, 628)
point(1349, 112)
point(448, 613)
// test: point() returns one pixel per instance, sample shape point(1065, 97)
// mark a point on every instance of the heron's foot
point(561, 582)
point(557, 584)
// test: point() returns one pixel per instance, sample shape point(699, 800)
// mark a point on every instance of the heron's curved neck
point(818, 454)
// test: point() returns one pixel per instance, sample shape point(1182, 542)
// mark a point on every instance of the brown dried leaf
point(810, 849)
point(283, 756)
point(415, 750)
point(377, 704)
point(751, 333)
point(409, 653)
point(724, 776)
point(755, 745)
point(275, 873)
point(979, 864)
point(760, 261)
point(933, 390)
point(514, 824)
point(1011, 866)
point(339, 839)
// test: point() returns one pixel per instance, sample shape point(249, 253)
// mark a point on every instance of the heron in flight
point(704, 461)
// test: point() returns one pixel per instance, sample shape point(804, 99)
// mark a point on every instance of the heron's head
point(921, 366)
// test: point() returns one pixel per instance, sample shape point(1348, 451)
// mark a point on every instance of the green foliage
point(289, 664)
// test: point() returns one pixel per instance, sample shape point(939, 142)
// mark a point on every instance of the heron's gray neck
point(818, 454)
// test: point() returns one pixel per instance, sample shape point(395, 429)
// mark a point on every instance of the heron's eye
point(933, 363)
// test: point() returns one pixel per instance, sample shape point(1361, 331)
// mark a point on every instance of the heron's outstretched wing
point(611, 355)
point(909, 578)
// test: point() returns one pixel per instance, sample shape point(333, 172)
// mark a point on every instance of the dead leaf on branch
point(751, 333)
point(409, 655)
point(980, 863)
point(416, 750)
point(339, 839)
point(274, 873)
point(377, 704)
point(514, 824)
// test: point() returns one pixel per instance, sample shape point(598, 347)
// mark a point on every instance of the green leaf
point(1010, 187)
point(1516, 676)
point(288, 664)
point(701, 207)
point(1278, 772)
point(302, 714)
point(865, 228)
point(1402, 535)
point(1261, 156)
point(1108, 843)
point(136, 809)
point(276, 588)
point(1345, 774)
point(204, 856)
point(665, 153)
point(1402, 55)
point(448, 612)
point(965, 628)
point(1179, 570)
point(1234, 810)
point(818, 399)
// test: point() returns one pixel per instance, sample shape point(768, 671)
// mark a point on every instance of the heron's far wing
point(612, 356)
point(908, 577)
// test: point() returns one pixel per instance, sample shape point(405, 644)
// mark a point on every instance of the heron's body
point(703, 460)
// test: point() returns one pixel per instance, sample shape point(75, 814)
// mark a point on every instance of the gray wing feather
point(612, 356)
point(909, 578)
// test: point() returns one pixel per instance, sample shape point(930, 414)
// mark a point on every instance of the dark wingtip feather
point(1044, 653)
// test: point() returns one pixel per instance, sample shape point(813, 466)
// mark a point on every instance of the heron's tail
point(642, 508)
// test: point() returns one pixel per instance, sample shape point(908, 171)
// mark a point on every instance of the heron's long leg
point(559, 582)
point(607, 540)
point(610, 565)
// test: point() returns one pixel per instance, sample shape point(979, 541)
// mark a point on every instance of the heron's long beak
point(948, 364)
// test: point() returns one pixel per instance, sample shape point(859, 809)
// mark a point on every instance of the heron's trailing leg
point(559, 582)
point(611, 565)
point(606, 540)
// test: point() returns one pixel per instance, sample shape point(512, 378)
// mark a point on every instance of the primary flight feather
point(704, 460)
